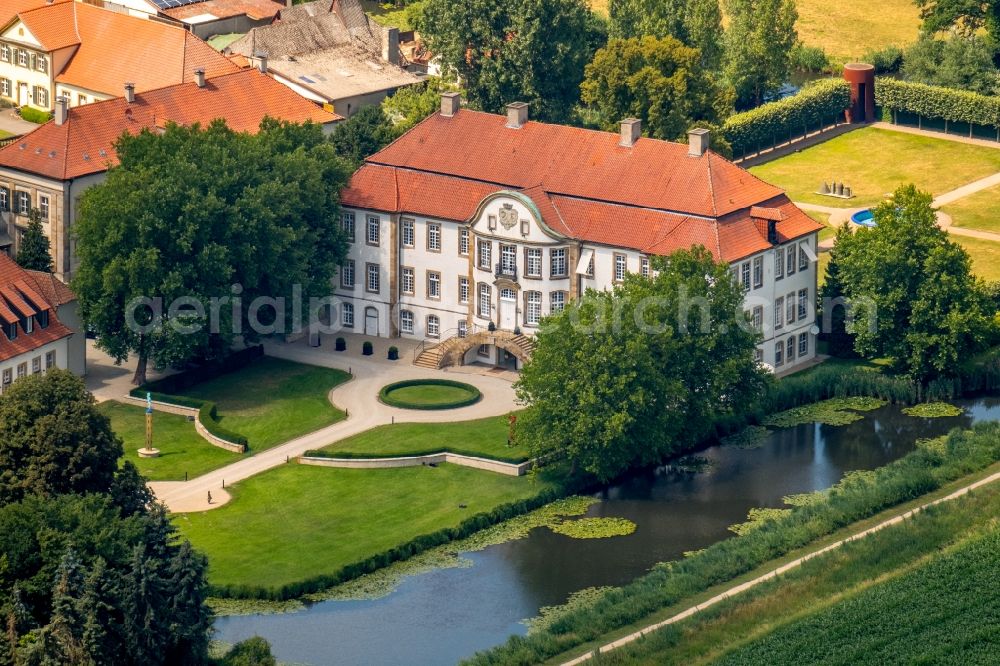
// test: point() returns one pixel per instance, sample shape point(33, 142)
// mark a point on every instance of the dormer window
point(10, 330)
point(28, 324)
point(43, 319)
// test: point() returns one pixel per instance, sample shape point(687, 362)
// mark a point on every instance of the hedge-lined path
point(937, 135)
point(774, 573)
point(359, 396)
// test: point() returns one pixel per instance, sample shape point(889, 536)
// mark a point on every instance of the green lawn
point(985, 256)
point(297, 521)
point(486, 437)
point(430, 395)
point(181, 448)
point(977, 211)
point(932, 576)
point(874, 162)
point(272, 400)
point(824, 219)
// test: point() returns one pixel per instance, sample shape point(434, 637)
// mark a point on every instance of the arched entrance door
point(371, 321)
point(507, 309)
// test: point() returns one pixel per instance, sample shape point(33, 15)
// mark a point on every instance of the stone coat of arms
point(508, 217)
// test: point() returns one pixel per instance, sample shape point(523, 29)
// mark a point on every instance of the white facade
point(440, 278)
point(53, 354)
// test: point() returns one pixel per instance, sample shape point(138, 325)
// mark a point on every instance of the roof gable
point(19, 299)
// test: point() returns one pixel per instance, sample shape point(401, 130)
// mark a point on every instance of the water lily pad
point(933, 410)
point(594, 528)
point(835, 412)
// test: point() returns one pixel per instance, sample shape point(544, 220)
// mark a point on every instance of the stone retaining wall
point(510, 469)
point(198, 426)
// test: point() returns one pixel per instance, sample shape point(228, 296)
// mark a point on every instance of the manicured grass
point(864, 602)
point(985, 256)
point(429, 394)
point(874, 162)
point(486, 437)
point(824, 219)
point(846, 30)
point(272, 400)
point(181, 448)
point(296, 521)
point(977, 211)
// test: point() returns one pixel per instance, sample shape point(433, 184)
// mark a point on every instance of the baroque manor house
point(472, 219)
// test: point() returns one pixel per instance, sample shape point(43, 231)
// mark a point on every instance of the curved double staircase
point(452, 350)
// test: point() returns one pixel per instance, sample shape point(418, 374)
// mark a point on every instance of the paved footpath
point(625, 640)
point(359, 396)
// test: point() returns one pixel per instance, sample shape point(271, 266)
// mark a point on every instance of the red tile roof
point(54, 26)
point(253, 9)
point(18, 296)
point(652, 197)
point(84, 143)
point(9, 9)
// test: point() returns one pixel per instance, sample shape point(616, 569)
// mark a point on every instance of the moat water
point(445, 615)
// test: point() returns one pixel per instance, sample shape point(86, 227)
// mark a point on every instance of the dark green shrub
point(393, 353)
point(887, 60)
point(937, 102)
point(809, 58)
point(366, 348)
point(35, 116)
point(341, 344)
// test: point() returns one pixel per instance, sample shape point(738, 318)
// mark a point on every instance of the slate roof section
point(652, 197)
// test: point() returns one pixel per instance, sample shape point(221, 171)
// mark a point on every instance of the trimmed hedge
point(922, 471)
point(383, 395)
point(415, 546)
point(814, 106)
point(33, 115)
point(937, 102)
point(351, 455)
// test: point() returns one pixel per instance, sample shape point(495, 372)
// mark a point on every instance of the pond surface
point(445, 615)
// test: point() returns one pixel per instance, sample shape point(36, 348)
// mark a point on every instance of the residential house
point(330, 51)
point(50, 167)
point(473, 221)
point(87, 54)
point(39, 325)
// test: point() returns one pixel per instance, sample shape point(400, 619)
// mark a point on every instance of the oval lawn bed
point(429, 394)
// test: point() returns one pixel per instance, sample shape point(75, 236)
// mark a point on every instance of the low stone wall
point(198, 426)
point(510, 469)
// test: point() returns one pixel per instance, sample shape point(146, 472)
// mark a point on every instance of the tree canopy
point(629, 376)
point(696, 23)
point(191, 212)
point(759, 41)
point(530, 51)
point(913, 293)
point(34, 252)
point(964, 16)
point(957, 62)
point(660, 81)
point(365, 133)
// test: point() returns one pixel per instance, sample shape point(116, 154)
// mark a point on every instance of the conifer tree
point(34, 252)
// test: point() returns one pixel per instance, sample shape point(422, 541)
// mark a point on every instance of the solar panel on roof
point(171, 4)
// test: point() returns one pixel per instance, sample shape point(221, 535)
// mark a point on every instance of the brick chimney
point(517, 114)
point(698, 140)
point(390, 45)
point(199, 77)
point(129, 92)
point(62, 110)
point(630, 133)
point(451, 102)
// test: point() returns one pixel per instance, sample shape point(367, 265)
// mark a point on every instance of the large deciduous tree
point(513, 51)
point(759, 41)
point(964, 16)
point(696, 23)
point(914, 296)
point(629, 376)
point(34, 251)
point(956, 62)
point(188, 214)
point(660, 81)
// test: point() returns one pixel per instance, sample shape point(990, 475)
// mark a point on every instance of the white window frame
point(43, 206)
point(779, 263)
point(347, 221)
point(757, 318)
point(463, 241)
point(406, 232)
point(433, 237)
point(372, 229)
point(803, 344)
point(779, 313)
point(790, 308)
point(792, 260)
point(6, 87)
point(22, 57)
point(23, 200)
point(434, 285)
point(803, 256)
point(558, 265)
point(790, 349)
point(407, 280)
point(533, 262)
point(532, 307)
point(347, 274)
point(620, 267)
point(557, 301)
point(485, 301)
point(4, 53)
point(644, 266)
point(406, 322)
point(484, 250)
point(373, 278)
point(433, 326)
point(803, 304)
point(779, 354)
point(745, 275)
point(347, 315)
point(463, 289)
point(758, 272)
point(50, 359)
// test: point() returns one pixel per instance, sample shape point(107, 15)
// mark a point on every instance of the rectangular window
point(557, 262)
point(758, 355)
point(803, 303)
point(434, 237)
point(779, 354)
point(406, 322)
point(484, 350)
point(43, 206)
point(508, 260)
point(433, 326)
point(485, 308)
point(4, 53)
point(533, 308)
point(779, 263)
point(463, 289)
point(50, 359)
point(23, 203)
point(36, 365)
point(28, 324)
point(791, 263)
point(533, 262)
point(463, 242)
point(790, 349)
point(42, 64)
point(22, 370)
point(8, 379)
point(758, 272)
point(485, 254)
point(644, 266)
point(803, 344)
point(557, 301)
point(779, 312)
point(4, 199)
point(620, 266)
point(590, 267)
point(22, 57)
point(373, 230)
point(81, 100)
point(463, 328)
point(757, 318)
point(372, 283)
point(433, 284)
point(41, 97)
point(347, 274)
point(347, 314)
point(745, 275)
point(5, 88)
point(803, 256)
point(347, 224)
point(406, 281)
point(790, 308)
point(406, 232)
